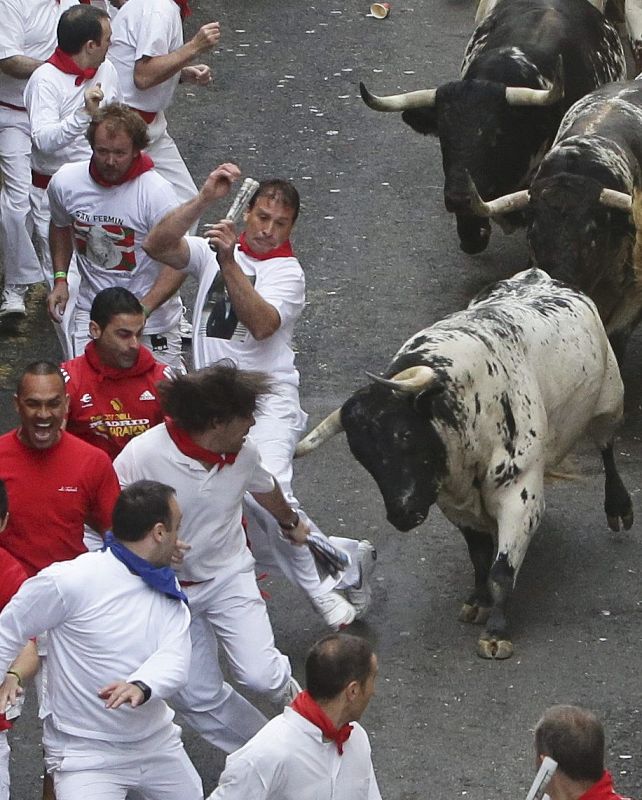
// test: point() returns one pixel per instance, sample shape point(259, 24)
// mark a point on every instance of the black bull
point(524, 66)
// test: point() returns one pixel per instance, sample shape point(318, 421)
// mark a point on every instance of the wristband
point(290, 526)
point(147, 692)
point(16, 674)
point(60, 276)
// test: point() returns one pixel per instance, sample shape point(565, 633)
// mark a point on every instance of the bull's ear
point(423, 120)
point(424, 400)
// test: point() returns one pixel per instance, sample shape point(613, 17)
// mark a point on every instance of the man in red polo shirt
point(112, 386)
point(55, 482)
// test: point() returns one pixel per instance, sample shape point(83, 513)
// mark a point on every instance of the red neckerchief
point(65, 63)
point(282, 251)
point(141, 163)
point(602, 790)
point(144, 363)
point(184, 7)
point(188, 447)
point(305, 705)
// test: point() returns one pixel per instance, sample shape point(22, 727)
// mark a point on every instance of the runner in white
point(118, 646)
point(150, 58)
point(60, 98)
point(27, 38)
point(202, 451)
point(102, 209)
point(247, 304)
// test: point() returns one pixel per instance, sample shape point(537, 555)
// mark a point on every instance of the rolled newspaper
point(242, 199)
point(245, 193)
point(544, 774)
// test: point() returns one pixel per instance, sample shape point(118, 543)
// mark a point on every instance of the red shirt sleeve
point(105, 491)
point(13, 576)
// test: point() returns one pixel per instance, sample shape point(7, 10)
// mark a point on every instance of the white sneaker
point(185, 326)
point(292, 689)
point(361, 595)
point(13, 300)
point(335, 610)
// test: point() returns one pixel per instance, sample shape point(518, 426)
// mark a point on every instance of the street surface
point(382, 260)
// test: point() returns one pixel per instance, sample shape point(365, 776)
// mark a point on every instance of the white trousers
point(168, 162)
point(4, 766)
point(280, 421)
point(21, 263)
point(156, 768)
point(230, 611)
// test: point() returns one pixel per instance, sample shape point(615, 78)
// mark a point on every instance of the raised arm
point(165, 242)
point(150, 71)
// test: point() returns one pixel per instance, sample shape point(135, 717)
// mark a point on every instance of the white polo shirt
point(218, 333)
point(288, 760)
point(145, 28)
point(59, 122)
point(105, 624)
point(209, 499)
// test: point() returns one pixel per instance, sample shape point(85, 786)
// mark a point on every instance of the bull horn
point(399, 102)
point(501, 205)
point(523, 96)
point(412, 380)
point(325, 430)
point(619, 200)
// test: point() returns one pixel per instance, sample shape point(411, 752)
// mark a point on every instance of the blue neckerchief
point(163, 579)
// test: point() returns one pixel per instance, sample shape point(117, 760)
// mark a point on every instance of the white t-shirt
point(288, 760)
point(218, 333)
point(109, 226)
point(209, 499)
point(59, 122)
point(27, 29)
point(145, 28)
point(105, 624)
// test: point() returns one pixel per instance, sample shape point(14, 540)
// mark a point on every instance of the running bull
point(470, 414)
point(581, 220)
point(524, 66)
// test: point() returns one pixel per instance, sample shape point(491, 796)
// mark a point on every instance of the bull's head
point(485, 129)
point(578, 229)
point(389, 433)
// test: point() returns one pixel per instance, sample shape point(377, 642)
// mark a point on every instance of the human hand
point(219, 182)
point(222, 238)
point(207, 37)
point(10, 690)
point(198, 74)
point(57, 301)
point(93, 98)
point(120, 692)
point(178, 555)
point(298, 536)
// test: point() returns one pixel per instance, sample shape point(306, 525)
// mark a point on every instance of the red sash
point(305, 705)
point(282, 251)
point(65, 63)
point(188, 447)
point(141, 163)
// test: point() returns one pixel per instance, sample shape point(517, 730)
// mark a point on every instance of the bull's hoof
point(478, 615)
point(471, 248)
point(498, 649)
point(614, 521)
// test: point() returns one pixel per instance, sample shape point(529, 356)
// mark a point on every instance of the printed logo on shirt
point(106, 246)
point(68, 489)
point(118, 426)
point(147, 395)
point(86, 400)
point(116, 404)
point(219, 320)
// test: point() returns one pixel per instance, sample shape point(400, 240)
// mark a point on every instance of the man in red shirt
point(574, 738)
point(55, 482)
point(112, 386)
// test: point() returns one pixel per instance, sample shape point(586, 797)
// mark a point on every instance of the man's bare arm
point(275, 503)
point(19, 66)
point(258, 316)
point(168, 282)
point(149, 71)
point(165, 242)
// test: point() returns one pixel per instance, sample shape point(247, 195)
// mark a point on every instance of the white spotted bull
point(526, 63)
point(470, 414)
